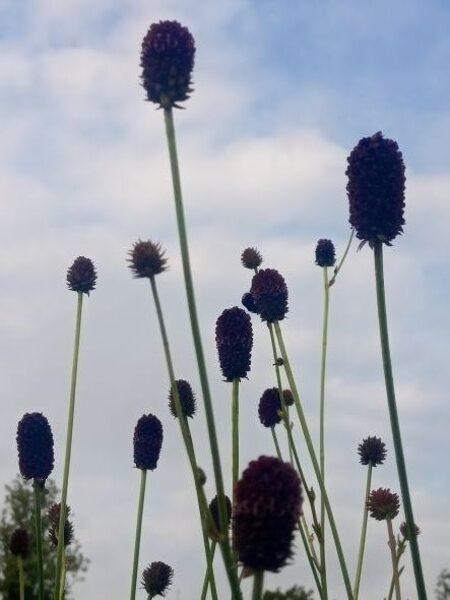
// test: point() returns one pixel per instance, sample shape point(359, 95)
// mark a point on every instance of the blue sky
point(283, 91)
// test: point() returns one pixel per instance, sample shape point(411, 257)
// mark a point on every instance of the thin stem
point(38, 530)
point(206, 579)
point(326, 305)
point(137, 538)
point(69, 436)
point(215, 455)
point(312, 454)
point(235, 432)
point(392, 546)
point(344, 256)
point(185, 432)
point(362, 542)
point(63, 577)
point(400, 550)
point(395, 425)
point(258, 585)
point(275, 442)
point(21, 578)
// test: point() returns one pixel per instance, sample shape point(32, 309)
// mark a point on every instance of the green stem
point(207, 578)
point(326, 305)
point(185, 432)
point(235, 432)
point(21, 578)
point(399, 553)
point(214, 446)
point(258, 585)
point(341, 262)
point(362, 542)
point(395, 425)
point(137, 538)
point(38, 530)
point(275, 442)
point(314, 461)
point(63, 577)
point(392, 547)
point(69, 436)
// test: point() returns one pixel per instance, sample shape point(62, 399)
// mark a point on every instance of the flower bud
point(54, 513)
point(383, 504)
point(214, 510)
point(270, 295)
point(372, 451)
point(35, 447)
point(19, 543)
point(269, 407)
point(147, 442)
point(187, 399)
point(157, 578)
point(147, 259)
point(234, 341)
point(325, 254)
point(81, 276)
point(251, 258)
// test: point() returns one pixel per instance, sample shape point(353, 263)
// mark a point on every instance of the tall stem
point(63, 577)
point(214, 446)
point(235, 432)
point(392, 547)
point(38, 529)
point(395, 425)
point(314, 461)
point(344, 256)
point(137, 538)
point(275, 442)
point(362, 542)
point(258, 585)
point(21, 578)
point(73, 387)
point(326, 305)
point(207, 578)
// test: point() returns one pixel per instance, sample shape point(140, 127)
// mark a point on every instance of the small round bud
point(383, 504)
point(35, 447)
point(19, 543)
point(251, 258)
point(288, 397)
point(270, 295)
point(147, 442)
point(147, 259)
point(269, 407)
point(234, 341)
point(201, 476)
point(325, 254)
point(81, 276)
point(187, 399)
point(372, 451)
point(214, 510)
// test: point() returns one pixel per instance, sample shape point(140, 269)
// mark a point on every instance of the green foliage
point(18, 512)
point(294, 593)
point(443, 585)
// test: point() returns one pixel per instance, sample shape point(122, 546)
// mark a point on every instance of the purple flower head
point(270, 295)
point(81, 276)
point(325, 254)
point(147, 442)
point(35, 447)
point(234, 342)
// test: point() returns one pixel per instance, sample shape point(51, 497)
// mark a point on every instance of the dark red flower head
point(269, 407)
point(214, 510)
point(270, 295)
point(35, 447)
point(325, 254)
point(376, 189)
point(251, 258)
point(81, 276)
point(288, 397)
point(54, 513)
point(372, 451)
point(147, 259)
point(234, 342)
point(19, 543)
point(383, 504)
point(147, 442)
point(167, 60)
point(187, 399)
point(268, 504)
point(157, 578)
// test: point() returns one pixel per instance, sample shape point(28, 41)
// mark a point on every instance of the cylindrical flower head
point(376, 189)
point(19, 543)
point(35, 446)
point(383, 504)
point(269, 407)
point(81, 276)
point(234, 342)
point(54, 513)
point(268, 504)
point(187, 399)
point(270, 294)
point(147, 442)
point(167, 60)
point(251, 258)
point(288, 397)
point(249, 303)
point(147, 259)
point(404, 531)
point(372, 451)
point(157, 578)
point(214, 510)
point(325, 254)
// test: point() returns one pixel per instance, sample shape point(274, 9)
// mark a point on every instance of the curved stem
point(37, 486)
point(314, 461)
point(235, 432)
point(395, 425)
point(362, 542)
point(344, 256)
point(214, 446)
point(392, 547)
point(400, 550)
point(21, 578)
point(69, 436)
point(137, 538)
point(258, 585)
point(207, 577)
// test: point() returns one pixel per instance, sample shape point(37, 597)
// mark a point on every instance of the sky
point(283, 92)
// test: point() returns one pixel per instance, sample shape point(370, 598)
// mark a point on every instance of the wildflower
point(234, 341)
point(270, 407)
point(288, 397)
point(383, 504)
point(147, 442)
point(248, 302)
point(214, 510)
point(19, 543)
point(270, 295)
point(372, 451)
point(251, 258)
point(157, 578)
point(81, 276)
point(54, 513)
point(187, 399)
point(147, 259)
point(325, 254)
point(35, 447)
point(404, 531)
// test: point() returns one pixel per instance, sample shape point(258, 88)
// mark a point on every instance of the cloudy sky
point(283, 91)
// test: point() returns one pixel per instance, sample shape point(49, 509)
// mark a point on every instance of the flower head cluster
point(81, 276)
point(146, 259)
point(376, 189)
point(186, 396)
point(251, 258)
point(383, 504)
point(270, 295)
point(234, 341)
point(54, 513)
point(288, 397)
point(372, 451)
point(19, 543)
point(35, 447)
point(147, 442)
point(325, 253)
point(269, 409)
point(167, 60)
point(157, 578)
point(268, 503)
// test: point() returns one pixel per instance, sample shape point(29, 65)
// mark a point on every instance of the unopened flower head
point(35, 447)
point(288, 397)
point(81, 276)
point(19, 543)
point(54, 513)
point(404, 531)
point(146, 259)
point(234, 342)
point(251, 258)
point(167, 61)
point(186, 396)
point(147, 442)
point(376, 189)
point(214, 510)
point(268, 504)
point(270, 295)
point(269, 408)
point(383, 504)
point(248, 302)
point(157, 578)
point(325, 253)
point(372, 451)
